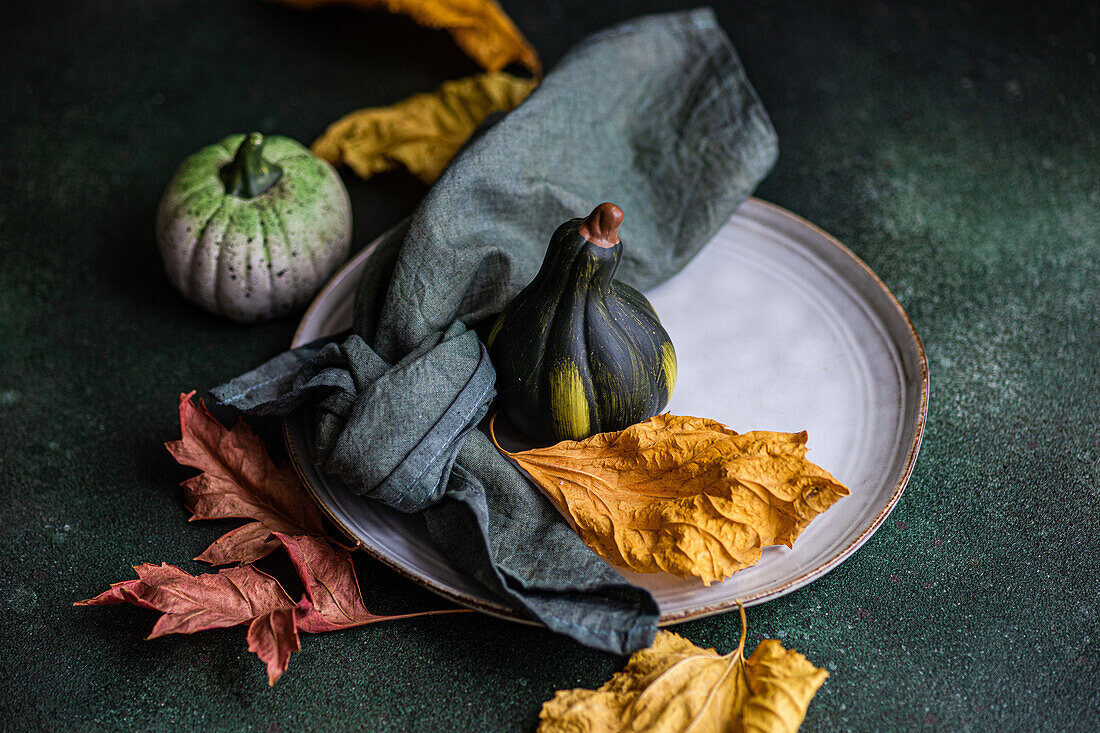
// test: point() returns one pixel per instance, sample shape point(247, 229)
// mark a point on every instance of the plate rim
point(507, 612)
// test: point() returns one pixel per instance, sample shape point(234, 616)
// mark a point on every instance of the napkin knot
point(390, 431)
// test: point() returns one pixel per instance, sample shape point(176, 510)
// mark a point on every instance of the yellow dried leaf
point(685, 495)
point(480, 27)
point(675, 687)
point(423, 132)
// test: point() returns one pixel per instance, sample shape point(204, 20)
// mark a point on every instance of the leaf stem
point(744, 630)
point(438, 612)
point(493, 436)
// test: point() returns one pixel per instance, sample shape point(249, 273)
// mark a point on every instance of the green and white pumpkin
point(251, 228)
point(578, 352)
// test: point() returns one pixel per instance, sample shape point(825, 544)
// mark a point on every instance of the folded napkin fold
point(654, 114)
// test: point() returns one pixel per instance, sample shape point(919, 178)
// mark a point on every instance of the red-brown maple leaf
point(274, 637)
point(239, 481)
point(191, 603)
point(244, 595)
point(332, 600)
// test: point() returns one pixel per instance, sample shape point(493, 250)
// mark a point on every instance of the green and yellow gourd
point(578, 352)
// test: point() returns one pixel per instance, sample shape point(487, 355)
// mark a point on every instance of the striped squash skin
point(578, 352)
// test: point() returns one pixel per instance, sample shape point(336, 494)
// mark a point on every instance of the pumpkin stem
point(601, 227)
point(249, 174)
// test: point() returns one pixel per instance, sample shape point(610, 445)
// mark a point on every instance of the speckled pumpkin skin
point(252, 259)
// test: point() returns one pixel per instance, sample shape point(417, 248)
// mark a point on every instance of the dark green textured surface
point(955, 148)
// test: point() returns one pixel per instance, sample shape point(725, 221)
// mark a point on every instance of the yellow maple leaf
point(480, 27)
point(684, 495)
point(676, 687)
point(421, 133)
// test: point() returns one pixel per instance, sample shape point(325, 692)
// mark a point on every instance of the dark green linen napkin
point(655, 115)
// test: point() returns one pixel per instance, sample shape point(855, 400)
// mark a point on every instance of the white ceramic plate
point(777, 326)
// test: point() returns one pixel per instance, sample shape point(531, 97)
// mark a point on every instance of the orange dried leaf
point(239, 480)
point(675, 687)
point(683, 495)
point(782, 682)
point(480, 27)
point(421, 133)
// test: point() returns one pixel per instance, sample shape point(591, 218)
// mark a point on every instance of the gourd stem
point(601, 227)
point(249, 174)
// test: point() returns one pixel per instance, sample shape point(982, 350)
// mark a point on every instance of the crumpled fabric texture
point(655, 115)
